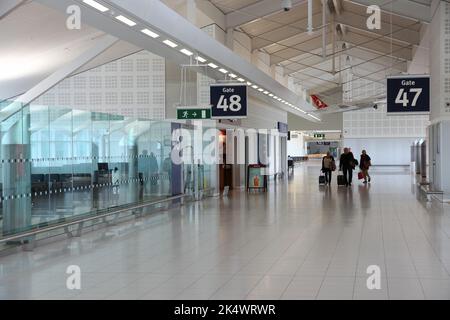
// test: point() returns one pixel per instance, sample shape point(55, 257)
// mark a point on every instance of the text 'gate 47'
point(408, 94)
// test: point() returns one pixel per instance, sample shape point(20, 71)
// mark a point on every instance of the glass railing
point(60, 164)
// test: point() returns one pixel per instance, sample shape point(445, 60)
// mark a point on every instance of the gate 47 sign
point(228, 101)
point(406, 94)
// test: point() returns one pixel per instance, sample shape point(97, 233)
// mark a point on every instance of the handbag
point(360, 175)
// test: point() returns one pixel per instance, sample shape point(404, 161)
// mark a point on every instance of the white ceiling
point(40, 46)
point(374, 54)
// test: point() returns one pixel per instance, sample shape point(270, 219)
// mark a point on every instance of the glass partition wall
point(60, 164)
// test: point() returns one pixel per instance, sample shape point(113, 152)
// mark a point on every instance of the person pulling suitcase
point(328, 166)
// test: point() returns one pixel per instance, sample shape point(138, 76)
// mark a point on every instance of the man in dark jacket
point(347, 164)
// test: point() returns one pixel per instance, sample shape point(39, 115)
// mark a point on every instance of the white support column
point(229, 38)
point(439, 98)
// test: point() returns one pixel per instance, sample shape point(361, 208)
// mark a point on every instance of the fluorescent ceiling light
point(223, 70)
point(150, 33)
point(127, 21)
point(275, 97)
point(200, 59)
point(240, 80)
point(232, 75)
point(170, 43)
point(96, 5)
point(266, 92)
point(212, 65)
point(254, 86)
point(260, 89)
point(249, 83)
point(186, 52)
point(271, 95)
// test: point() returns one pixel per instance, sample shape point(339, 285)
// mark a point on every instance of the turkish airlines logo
point(318, 103)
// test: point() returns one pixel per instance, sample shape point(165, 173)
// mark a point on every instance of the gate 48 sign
point(406, 94)
point(228, 101)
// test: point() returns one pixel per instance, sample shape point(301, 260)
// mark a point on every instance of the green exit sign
point(193, 114)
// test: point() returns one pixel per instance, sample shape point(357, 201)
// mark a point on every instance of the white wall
point(133, 86)
point(262, 115)
point(383, 151)
point(296, 146)
point(387, 139)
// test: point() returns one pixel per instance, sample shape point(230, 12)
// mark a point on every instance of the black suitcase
point(321, 179)
point(341, 180)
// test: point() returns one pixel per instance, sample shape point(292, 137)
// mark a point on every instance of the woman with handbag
point(364, 165)
point(328, 166)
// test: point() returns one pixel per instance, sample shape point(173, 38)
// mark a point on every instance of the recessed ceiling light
point(260, 89)
point(186, 52)
point(96, 5)
point(212, 65)
point(232, 75)
point(271, 95)
point(170, 43)
point(255, 86)
point(266, 92)
point(249, 83)
point(200, 59)
point(223, 70)
point(127, 21)
point(275, 97)
point(150, 33)
point(240, 80)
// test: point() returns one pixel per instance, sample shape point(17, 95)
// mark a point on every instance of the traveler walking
point(364, 165)
point(328, 166)
point(347, 164)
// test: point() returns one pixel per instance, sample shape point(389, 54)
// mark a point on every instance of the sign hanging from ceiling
point(228, 101)
point(193, 113)
point(408, 94)
point(318, 103)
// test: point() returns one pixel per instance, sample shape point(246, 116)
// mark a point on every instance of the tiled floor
point(299, 241)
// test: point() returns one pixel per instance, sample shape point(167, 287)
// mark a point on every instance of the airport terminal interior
point(224, 149)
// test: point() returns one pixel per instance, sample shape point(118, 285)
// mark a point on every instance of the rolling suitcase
point(321, 179)
point(341, 180)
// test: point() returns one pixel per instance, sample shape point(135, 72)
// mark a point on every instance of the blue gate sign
point(228, 101)
point(408, 94)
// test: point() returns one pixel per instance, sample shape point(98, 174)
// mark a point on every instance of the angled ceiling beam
point(284, 33)
point(369, 60)
point(404, 8)
point(384, 47)
point(289, 53)
point(7, 6)
point(168, 24)
point(101, 45)
point(255, 11)
point(397, 33)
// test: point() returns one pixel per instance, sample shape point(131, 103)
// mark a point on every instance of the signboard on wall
point(192, 113)
point(228, 101)
point(408, 94)
point(283, 127)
